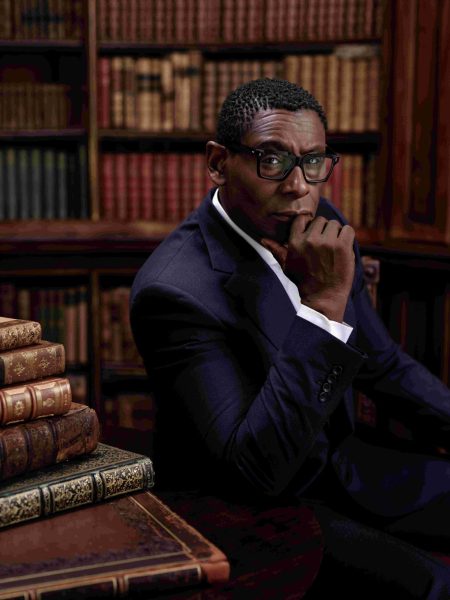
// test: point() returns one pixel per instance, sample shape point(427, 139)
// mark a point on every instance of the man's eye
point(272, 159)
point(315, 160)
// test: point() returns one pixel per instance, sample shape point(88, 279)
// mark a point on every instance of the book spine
point(100, 485)
point(47, 397)
point(15, 333)
point(30, 446)
point(31, 362)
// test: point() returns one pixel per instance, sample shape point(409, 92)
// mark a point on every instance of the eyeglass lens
point(315, 166)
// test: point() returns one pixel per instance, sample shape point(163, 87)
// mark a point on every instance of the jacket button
point(326, 387)
point(332, 378)
point(337, 369)
point(323, 396)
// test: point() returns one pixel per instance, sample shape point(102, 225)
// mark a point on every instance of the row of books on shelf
point(255, 21)
point(164, 186)
point(352, 189)
point(36, 20)
point(43, 182)
point(182, 91)
point(34, 106)
point(116, 343)
point(51, 462)
point(132, 410)
point(61, 311)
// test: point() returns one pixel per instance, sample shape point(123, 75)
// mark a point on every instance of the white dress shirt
point(340, 330)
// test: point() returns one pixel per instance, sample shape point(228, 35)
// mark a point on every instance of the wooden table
point(274, 552)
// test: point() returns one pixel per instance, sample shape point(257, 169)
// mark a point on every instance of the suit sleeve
point(267, 427)
point(398, 382)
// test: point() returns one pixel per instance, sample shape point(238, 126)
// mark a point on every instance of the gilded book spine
point(34, 399)
point(32, 362)
point(58, 496)
point(15, 333)
point(30, 446)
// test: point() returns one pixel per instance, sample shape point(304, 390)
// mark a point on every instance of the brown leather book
point(36, 444)
point(42, 398)
point(31, 362)
point(15, 333)
point(133, 544)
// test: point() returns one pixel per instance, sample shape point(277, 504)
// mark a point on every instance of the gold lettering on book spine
point(123, 479)
point(20, 507)
point(69, 494)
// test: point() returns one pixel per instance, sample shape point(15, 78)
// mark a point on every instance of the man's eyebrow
point(276, 145)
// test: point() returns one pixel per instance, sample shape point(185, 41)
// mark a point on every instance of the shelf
point(49, 237)
point(350, 138)
point(41, 45)
point(115, 47)
point(40, 134)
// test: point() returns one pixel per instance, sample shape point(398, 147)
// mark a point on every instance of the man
point(254, 324)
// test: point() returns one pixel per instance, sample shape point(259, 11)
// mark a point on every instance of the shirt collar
point(267, 256)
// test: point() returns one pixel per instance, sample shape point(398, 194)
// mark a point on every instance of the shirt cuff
point(342, 331)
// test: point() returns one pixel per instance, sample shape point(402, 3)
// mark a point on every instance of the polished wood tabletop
point(274, 551)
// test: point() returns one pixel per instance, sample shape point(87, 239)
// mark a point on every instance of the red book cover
point(186, 178)
point(146, 178)
point(114, 19)
point(159, 191)
point(120, 172)
point(172, 191)
point(336, 185)
point(102, 20)
point(104, 92)
point(227, 26)
point(107, 186)
point(133, 183)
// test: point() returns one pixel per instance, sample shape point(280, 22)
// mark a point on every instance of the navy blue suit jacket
point(251, 395)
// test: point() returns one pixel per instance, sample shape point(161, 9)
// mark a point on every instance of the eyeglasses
point(277, 164)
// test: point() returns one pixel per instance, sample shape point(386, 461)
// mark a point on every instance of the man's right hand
point(319, 258)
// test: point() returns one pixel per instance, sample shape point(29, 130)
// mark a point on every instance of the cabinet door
point(420, 142)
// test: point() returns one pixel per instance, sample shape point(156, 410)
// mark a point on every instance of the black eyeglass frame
point(258, 153)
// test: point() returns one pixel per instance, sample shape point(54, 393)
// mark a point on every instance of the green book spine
point(11, 186)
point(105, 473)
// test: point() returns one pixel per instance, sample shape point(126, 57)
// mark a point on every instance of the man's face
point(265, 208)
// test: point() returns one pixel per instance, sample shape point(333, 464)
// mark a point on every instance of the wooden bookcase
point(409, 232)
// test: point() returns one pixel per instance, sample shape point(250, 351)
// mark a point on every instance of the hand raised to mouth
point(319, 259)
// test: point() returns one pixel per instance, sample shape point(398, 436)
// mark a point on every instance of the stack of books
point(117, 543)
point(50, 456)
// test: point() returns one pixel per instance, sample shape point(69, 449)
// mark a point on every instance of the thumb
point(278, 250)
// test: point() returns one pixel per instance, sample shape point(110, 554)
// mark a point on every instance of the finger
point(279, 251)
point(304, 224)
point(347, 233)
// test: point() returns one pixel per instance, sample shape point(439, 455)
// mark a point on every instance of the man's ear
point(216, 156)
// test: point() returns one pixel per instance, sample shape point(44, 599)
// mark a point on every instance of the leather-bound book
point(29, 446)
point(33, 399)
point(127, 546)
point(31, 362)
point(15, 333)
point(103, 474)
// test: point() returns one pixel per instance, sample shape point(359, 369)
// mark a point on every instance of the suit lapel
point(252, 282)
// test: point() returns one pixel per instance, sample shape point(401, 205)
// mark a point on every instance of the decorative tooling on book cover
point(122, 546)
point(17, 332)
point(32, 362)
point(103, 474)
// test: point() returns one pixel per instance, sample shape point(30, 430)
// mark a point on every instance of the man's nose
point(295, 183)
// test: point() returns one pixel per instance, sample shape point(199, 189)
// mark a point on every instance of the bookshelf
point(138, 91)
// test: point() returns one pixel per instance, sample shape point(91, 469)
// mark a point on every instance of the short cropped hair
point(241, 105)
